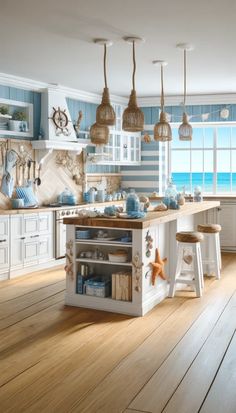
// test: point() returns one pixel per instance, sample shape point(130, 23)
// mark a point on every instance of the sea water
point(205, 181)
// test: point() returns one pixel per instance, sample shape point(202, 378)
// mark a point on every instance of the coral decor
point(158, 267)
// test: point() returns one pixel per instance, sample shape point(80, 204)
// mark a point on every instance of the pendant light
point(105, 114)
point(99, 134)
point(162, 129)
point(133, 117)
point(185, 129)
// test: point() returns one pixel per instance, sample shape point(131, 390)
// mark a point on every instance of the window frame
point(214, 148)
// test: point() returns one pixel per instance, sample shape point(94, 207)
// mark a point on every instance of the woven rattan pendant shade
point(105, 114)
point(185, 129)
point(99, 134)
point(162, 129)
point(133, 117)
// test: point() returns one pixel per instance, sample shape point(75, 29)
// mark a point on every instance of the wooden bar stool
point(211, 253)
point(188, 241)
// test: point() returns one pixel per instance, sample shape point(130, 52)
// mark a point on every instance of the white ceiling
point(51, 41)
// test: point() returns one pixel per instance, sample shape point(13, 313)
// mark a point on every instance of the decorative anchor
point(158, 267)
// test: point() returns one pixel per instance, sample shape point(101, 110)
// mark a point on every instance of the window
point(209, 160)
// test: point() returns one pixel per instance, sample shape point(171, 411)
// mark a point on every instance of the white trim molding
point(224, 99)
point(34, 85)
point(37, 86)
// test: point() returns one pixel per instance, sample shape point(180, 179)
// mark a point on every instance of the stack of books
point(122, 286)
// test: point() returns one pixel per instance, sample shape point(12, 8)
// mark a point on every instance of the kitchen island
point(95, 247)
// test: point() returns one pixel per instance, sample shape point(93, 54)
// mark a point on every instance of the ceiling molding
point(217, 99)
point(36, 86)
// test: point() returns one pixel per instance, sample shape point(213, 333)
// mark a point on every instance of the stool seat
point(209, 228)
point(189, 236)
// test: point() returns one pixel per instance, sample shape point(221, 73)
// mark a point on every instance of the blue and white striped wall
point(150, 175)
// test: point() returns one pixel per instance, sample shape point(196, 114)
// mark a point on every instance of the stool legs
point(197, 272)
point(212, 256)
point(177, 272)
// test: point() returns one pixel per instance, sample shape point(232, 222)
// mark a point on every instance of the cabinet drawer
point(45, 247)
point(16, 226)
point(4, 227)
point(45, 223)
point(30, 224)
point(31, 251)
point(4, 256)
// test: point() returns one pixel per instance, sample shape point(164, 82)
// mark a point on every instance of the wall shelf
point(21, 106)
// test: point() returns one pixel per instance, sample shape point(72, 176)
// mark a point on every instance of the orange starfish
point(158, 267)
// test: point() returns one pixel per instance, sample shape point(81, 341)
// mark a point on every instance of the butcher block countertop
point(58, 208)
point(152, 218)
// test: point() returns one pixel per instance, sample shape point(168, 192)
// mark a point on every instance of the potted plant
point(4, 110)
point(18, 122)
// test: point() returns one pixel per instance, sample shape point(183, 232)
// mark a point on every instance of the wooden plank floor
point(179, 358)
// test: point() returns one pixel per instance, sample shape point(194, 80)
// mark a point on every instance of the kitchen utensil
point(38, 179)
point(17, 175)
point(23, 174)
point(7, 179)
point(29, 167)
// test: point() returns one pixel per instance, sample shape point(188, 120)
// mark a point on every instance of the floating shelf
point(127, 264)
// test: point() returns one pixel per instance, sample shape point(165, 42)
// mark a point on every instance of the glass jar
point(132, 202)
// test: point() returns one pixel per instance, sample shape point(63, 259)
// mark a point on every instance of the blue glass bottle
point(132, 202)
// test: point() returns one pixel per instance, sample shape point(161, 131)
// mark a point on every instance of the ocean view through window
point(208, 161)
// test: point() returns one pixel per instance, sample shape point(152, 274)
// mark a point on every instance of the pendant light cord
point(104, 65)
point(185, 53)
point(162, 89)
point(134, 66)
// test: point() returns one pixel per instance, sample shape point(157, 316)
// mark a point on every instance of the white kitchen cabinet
point(123, 148)
point(4, 256)
point(44, 248)
point(4, 246)
point(31, 239)
point(45, 222)
point(30, 224)
point(225, 215)
point(17, 241)
point(30, 251)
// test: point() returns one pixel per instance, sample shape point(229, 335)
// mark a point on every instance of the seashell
point(161, 207)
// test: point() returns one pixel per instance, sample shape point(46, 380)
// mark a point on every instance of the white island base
point(160, 226)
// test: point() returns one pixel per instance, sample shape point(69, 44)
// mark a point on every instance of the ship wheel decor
point(61, 121)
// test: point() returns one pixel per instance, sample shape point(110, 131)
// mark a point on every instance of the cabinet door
point(4, 256)
point(17, 230)
point(17, 256)
point(125, 148)
point(4, 227)
point(45, 248)
point(227, 220)
point(30, 224)
point(45, 222)
point(31, 252)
